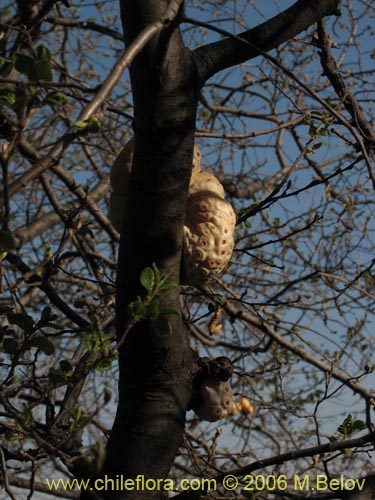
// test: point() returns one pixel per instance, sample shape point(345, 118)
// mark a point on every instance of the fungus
point(243, 406)
point(205, 251)
point(216, 400)
point(209, 223)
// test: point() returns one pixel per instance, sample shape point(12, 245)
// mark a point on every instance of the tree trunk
point(155, 370)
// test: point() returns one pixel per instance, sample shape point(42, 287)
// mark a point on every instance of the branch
point(4, 474)
point(332, 72)
point(31, 14)
point(155, 370)
point(229, 52)
point(86, 199)
point(287, 457)
point(106, 88)
point(86, 25)
point(21, 482)
point(300, 351)
point(171, 11)
point(340, 119)
point(35, 279)
point(28, 232)
point(304, 453)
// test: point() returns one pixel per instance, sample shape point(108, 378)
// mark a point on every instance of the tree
point(296, 301)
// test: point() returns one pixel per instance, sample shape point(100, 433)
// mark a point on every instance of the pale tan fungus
point(246, 406)
point(217, 400)
point(204, 181)
point(209, 224)
point(208, 234)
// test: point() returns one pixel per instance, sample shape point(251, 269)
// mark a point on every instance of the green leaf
point(345, 427)
point(42, 71)
point(55, 98)
point(94, 124)
point(137, 309)
point(156, 272)
point(80, 126)
point(44, 344)
point(27, 415)
point(86, 342)
point(65, 366)
point(90, 126)
point(7, 241)
point(312, 131)
point(22, 320)
point(7, 96)
point(23, 63)
point(10, 345)
point(153, 309)
point(79, 419)
point(166, 287)
point(43, 53)
point(169, 310)
point(358, 425)
point(348, 427)
point(56, 375)
point(42, 65)
point(46, 317)
point(162, 325)
point(220, 300)
point(148, 280)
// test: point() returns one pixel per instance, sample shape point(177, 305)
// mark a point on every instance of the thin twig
point(308, 90)
point(5, 475)
point(106, 88)
point(303, 453)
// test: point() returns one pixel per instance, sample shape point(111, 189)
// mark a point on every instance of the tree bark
point(229, 52)
point(155, 370)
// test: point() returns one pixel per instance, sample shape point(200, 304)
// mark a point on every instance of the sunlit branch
point(332, 72)
point(85, 25)
point(259, 51)
point(362, 441)
point(300, 351)
point(236, 49)
point(33, 278)
point(106, 88)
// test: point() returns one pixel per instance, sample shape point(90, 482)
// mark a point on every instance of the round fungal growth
point(216, 400)
point(235, 410)
point(208, 236)
point(243, 406)
point(205, 182)
point(209, 224)
point(246, 406)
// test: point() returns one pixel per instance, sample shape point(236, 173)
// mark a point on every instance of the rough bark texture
point(156, 371)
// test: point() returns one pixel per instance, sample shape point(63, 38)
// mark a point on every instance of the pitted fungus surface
point(209, 224)
point(217, 400)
